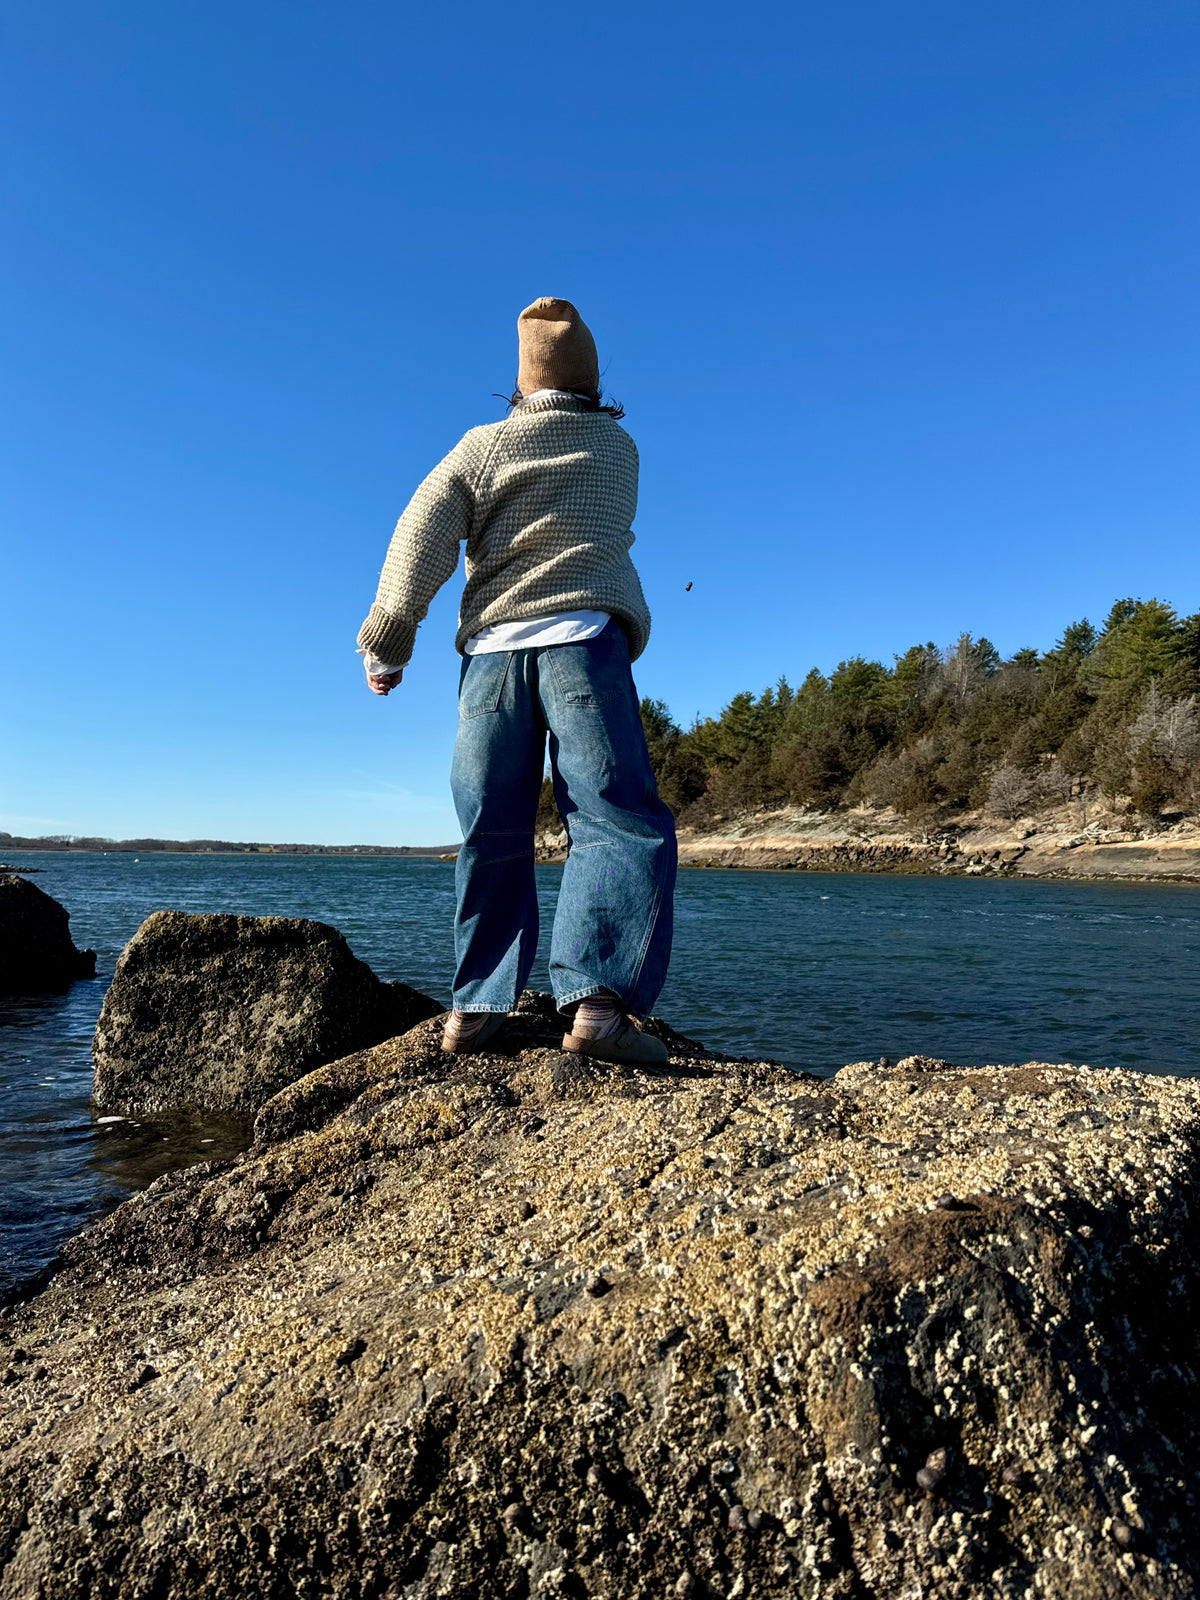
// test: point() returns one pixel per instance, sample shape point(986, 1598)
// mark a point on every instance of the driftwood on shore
point(521, 1324)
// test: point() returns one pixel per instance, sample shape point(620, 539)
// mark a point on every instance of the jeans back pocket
point(482, 682)
point(591, 673)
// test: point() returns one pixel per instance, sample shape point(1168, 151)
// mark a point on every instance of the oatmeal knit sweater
point(545, 500)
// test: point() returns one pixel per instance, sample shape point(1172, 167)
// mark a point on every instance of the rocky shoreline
point(519, 1324)
point(1060, 845)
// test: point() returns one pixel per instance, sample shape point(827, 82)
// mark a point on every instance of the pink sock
point(597, 1016)
point(466, 1024)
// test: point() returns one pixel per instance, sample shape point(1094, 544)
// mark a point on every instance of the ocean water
point(811, 969)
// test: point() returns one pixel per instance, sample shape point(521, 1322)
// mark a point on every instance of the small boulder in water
point(37, 953)
point(223, 1012)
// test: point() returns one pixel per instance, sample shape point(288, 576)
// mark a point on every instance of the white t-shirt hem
point(563, 627)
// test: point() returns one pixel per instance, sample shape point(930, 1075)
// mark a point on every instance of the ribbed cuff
point(387, 638)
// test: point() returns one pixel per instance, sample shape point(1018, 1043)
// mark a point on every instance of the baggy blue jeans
point(613, 921)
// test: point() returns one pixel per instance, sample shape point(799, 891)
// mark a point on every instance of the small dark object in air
point(686, 587)
point(1123, 1534)
point(597, 1285)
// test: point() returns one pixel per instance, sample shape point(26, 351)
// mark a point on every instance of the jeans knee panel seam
point(651, 923)
point(652, 919)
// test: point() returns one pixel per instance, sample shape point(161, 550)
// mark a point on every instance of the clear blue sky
point(900, 299)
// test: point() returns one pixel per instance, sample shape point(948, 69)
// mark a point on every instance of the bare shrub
point(1162, 749)
point(1167, 729)
point(1013, 792)
point(1010, 792)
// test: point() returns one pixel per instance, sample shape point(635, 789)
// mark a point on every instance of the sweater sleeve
point(423, 554)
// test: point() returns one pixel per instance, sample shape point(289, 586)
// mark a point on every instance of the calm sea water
point(812, 970)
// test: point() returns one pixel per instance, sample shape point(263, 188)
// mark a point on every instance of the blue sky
point(900, 301)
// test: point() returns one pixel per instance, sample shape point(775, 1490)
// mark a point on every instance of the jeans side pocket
point(482, 682)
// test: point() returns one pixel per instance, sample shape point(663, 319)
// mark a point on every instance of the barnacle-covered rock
point(222, 1012)
point(371, 1358)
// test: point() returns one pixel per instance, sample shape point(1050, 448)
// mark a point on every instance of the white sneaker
point(623, 1043)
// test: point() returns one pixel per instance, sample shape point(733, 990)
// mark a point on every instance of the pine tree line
point(1110, 710)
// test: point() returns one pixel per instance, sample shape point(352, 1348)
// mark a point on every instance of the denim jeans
point(612, 925)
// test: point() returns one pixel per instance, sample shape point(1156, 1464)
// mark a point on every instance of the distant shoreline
point(216, 847)
point(972, 845)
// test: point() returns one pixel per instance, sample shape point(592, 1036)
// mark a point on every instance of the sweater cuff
point(386, 637)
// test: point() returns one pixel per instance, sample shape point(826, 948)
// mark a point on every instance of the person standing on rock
point(551, 617)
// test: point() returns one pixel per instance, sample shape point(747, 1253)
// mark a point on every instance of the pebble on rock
point(685, 1585)
point(1123, 1534)
point(738, 1520)
point(1012, 1473)
point(931, 1474)
point(596, 1477)
point(597, 1285)
point(514, 1515)
point(947, 1202)
point(526, 1209)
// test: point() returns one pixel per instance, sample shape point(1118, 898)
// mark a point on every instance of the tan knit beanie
point(556, 349)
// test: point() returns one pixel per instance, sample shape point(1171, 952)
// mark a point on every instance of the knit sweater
point(545, 500)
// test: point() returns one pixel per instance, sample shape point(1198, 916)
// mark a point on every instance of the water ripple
point(814, 970)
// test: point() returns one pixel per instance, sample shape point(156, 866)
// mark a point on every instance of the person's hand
point(383, 682)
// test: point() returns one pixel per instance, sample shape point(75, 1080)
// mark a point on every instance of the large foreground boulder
point(222, 1012)
point(521, 1325)
point(37, 953)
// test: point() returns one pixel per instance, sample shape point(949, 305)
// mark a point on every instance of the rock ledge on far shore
point(521, 1324)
